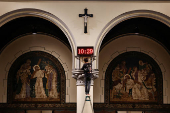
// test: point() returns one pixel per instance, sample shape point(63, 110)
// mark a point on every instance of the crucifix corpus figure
point(85, 15)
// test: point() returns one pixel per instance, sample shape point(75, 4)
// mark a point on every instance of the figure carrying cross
point(85, 15)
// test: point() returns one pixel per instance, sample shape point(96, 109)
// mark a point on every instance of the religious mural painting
point(133, 77)
point(36, 77)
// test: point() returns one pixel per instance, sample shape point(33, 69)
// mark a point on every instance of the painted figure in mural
point(51, 81)
point(142, 65)
point(117, 76)
point(128, 84)
point(123, 68)
point(150, 84)
point(39, 74)
point(136, 94)
point(23, 74)
point(144, 90)
point(139, 90)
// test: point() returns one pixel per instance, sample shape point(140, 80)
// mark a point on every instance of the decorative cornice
point(97, 106)
point(79, 76)
point(132, 106)
point(37, 106)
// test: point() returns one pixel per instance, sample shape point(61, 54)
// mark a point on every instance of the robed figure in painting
point(39, 74)
point(52, 81)
point(23, 75)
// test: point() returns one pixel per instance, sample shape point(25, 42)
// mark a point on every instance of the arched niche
point(128, 43)
point(127, 16)
point(132, 78)
point(28, 12)
point(121, 42)
point(36, 77)
point(42, 41)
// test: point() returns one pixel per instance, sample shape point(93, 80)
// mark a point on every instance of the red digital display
point(85, 51)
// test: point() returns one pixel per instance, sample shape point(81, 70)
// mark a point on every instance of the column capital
point(79, 76)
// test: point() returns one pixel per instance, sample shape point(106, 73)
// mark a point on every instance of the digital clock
point(85, 51)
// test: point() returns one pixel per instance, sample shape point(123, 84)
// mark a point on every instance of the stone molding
point(25, 12)
point(79, 76)
point(123, 17)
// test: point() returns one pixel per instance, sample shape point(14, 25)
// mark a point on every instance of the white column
point(81, 100)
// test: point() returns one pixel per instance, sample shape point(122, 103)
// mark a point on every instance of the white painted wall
point(133, 43)
point(37, 42)
point(68, 11)
point(104, 12)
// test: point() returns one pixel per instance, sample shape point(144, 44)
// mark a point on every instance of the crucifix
point(85, 15)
